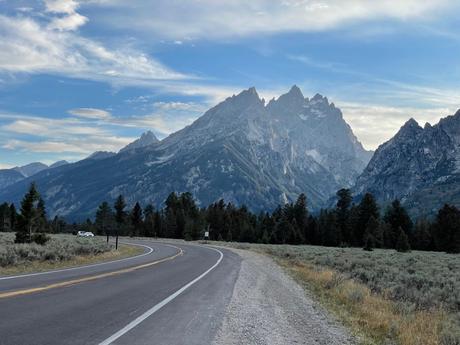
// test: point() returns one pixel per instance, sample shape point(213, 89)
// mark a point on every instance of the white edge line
point(86, 266)
point(160, 305)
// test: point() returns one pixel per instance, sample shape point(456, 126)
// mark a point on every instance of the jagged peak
point(293, 97)
point(146, 139)
point(457, 113)
point(250, 93)
point(319, 98)
point(149, 136)
point(411, 123)
point(410, 128)
point(296, 92)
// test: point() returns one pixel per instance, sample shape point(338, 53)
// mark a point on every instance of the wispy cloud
point(32, 46)
point(217, 19)
point(90, 113)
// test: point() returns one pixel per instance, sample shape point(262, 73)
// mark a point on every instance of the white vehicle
point(85, 234)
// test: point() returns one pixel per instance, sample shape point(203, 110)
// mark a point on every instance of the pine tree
point(367, 208)
point(369, 242)
point(301, 216)
point(423, 237)
point(448, 229)
point(343, 214)
point(104, 219)
point(402, 244)
point(120, 214)
point(28, 222)
point(149, 221)
point(13, 217)
point(374, 231)
point(136, 220)
point(396, 216)
point(5, 218)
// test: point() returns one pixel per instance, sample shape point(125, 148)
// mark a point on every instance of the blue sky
point(80, 76)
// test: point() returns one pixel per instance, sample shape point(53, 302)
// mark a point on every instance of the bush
point(40, 238)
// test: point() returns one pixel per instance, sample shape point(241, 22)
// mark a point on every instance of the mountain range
point(260, 154)
point(13, 175)
point(419, 166)
point(242, 150)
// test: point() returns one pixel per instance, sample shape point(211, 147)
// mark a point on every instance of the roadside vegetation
point(35, 245)
point(364, 225)
point(384, 296)
point(60, 251)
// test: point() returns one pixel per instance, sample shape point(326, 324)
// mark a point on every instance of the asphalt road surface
point(172, 294)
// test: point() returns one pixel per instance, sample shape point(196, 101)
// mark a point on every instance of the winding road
point(173, 293)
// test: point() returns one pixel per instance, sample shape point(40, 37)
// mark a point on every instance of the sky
point(78, 76)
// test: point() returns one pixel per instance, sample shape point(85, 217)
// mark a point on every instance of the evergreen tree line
point(348, 224)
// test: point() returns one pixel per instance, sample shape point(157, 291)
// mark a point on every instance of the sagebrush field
point(59, 252)
point(385, 296)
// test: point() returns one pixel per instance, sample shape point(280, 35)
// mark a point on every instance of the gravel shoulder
point(269, 307)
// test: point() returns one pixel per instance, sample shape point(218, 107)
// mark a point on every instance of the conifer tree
point(28, 222)
point(448, 229)
point(120, 213)
point(396, 216)
point(402, 244)
point(369, 242)
point(136, 220)
point(149, 221)
point(104, 219)
point(343, 214)
point(367, 208)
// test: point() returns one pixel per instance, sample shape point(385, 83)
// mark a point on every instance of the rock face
point(419, 166)
point(241, 150)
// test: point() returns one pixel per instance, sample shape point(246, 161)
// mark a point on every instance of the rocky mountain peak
point(410, 129)
point(318, 98)
point(146, 139)
point(295, 93)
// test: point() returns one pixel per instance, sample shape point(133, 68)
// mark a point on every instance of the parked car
point(85, 234)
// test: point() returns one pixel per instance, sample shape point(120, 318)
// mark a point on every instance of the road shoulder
point(269, 307)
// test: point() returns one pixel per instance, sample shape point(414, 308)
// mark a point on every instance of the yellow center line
point(86, 279)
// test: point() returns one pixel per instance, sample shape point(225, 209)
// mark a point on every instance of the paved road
point(172, 294)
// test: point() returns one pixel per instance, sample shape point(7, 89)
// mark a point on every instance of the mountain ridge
point(419, 166)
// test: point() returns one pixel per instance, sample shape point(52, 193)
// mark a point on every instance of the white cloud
point(28, 46)
point(179, 106)
point(66, 135)
point(90, 113)
point(71, 22)
point(61, 6)
point(72, 145)
point(216, 19)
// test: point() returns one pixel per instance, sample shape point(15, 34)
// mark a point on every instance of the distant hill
point(11, 176)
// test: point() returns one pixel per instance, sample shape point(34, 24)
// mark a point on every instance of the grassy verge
point(62, 251)
point(384, 297)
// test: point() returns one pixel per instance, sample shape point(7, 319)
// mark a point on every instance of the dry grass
point(376, 316)
point(374, 319)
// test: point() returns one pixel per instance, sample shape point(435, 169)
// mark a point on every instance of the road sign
point(206, 234)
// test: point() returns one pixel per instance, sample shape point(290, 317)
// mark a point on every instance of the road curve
point(172, 294)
